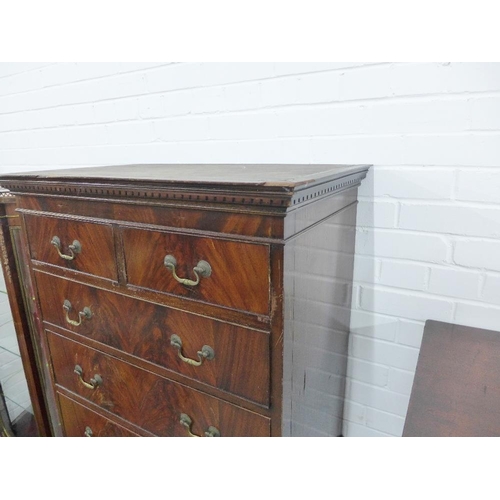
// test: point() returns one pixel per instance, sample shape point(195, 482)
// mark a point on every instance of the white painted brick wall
point(429, 214)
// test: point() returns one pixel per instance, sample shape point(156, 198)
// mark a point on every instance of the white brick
point(352, 429)
point(377, 213)
point(419, 78)
point(89, 135)
point(321, 87)
point(174, 77)
point(485, 113)
point(182, 129)
point(491, 290)
point(410, 333)
point(401, 381)
point(366, 371)
point(405, 305)
point(127, 109)
point(378, 398)
point(478, 316)
point(479, 185)
point(365, 83)
point(104, 112)
point(196, 101)
point(130, 133)
point(384, 353)
point(461, 220)
point(287, 68)
point(366, 269)
point(385, 422)
point(431, 116)
point(279, 92)
point(388, 150)
point(221, 73)
point(151, 106)
point(454, 282)
point(401, 245)
point(403, 275)
point(373, 325)
point(474, 77)
point(478, 254)
point(302, 122)
point(244, 126)
point(404, 182)
point(241, 97)
point(476, 150)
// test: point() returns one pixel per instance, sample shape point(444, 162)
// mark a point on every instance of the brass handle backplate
point(206, 352)
point(74, 248)
point(186, 422)
point(202, 270)
point(85, 314)
point(94, 383)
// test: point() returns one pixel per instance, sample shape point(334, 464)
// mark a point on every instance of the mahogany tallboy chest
point(189, 300)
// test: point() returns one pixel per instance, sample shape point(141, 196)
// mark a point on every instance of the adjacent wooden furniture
point(456, 391)
point(190, 300)
point(15, 268)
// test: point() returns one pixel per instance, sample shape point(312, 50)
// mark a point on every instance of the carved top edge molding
point(264, 196)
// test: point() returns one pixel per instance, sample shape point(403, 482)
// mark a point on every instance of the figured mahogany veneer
point(239, 276)
point(240, 353)
point(203, 300)
point(152, 402)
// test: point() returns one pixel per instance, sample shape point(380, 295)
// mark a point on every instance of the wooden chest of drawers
point(190, 300)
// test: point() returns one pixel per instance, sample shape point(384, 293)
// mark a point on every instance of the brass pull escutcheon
point(206, 352)
point(74, 248)
point(88, 432)
point(94, 382)
point(187, 423)
point(202, 270)
point(86, 313)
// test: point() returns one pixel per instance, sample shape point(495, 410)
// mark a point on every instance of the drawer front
point(80, 421)
point(237, 361)
point(156, 404)
point(92, 254)
point(238, 275)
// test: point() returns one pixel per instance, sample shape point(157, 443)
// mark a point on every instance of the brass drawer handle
point(202, 270)
point(94, 382)
point(88, 432)
point(85, 314)
point(74, 248)
point(206, 352)
point(187, 423)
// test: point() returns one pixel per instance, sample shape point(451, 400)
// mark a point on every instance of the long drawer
point(227, 273)
point(154, 403)
point(226, 356)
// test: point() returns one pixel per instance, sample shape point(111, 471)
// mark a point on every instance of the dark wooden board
point(456, 390)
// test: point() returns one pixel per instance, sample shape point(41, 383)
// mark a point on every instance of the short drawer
point(80, 421)
point(226, 273)
point(154, 403)
point(232, 358)
point(81, 246)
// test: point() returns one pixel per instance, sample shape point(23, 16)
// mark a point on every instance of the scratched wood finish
point(149, 401)
point(96, 257)
point(77, 419)
point(456, 390)
point(240, 354)
point(240, 271)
